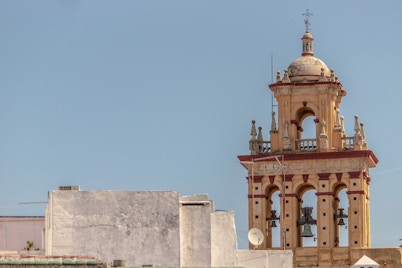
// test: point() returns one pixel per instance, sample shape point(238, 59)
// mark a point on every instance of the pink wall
point(15, 231)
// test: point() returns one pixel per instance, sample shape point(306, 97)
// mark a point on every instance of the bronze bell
point(341, 222)
point(273, 224)
point(307, 231)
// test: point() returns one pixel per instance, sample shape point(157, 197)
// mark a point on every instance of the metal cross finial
point(307, 14)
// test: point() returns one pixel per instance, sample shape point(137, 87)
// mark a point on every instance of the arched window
point(307, 213)
point(341, 208)
point(273, 210)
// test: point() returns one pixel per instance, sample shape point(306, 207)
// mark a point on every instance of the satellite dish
point(255, 236)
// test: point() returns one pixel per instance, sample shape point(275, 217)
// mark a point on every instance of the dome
point(307, 68)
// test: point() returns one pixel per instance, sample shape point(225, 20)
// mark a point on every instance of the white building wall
point(264, 258)
point(195, 232)
point(223, 236)
point(139, 227)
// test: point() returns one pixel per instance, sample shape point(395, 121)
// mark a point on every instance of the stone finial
point(323, 125)
point(278, 77)
point(363, 136)
point(273, 123)
point(357, 138)
point(337, 126)
point(322, 76)
point(286, 131)
point(357, 125)
point(253, 131)
point(286, 77)
point(259, 137)
point(362, 130)
point(342, 124)
point(332, 77)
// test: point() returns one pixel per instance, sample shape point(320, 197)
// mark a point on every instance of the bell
point(273, 224)
point(307, 231)
point(341, 222)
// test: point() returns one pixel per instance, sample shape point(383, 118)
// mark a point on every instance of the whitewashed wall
point(223, 236)
point(195, 231)
point(156, 228)
point(264, 258)
point(140, 227)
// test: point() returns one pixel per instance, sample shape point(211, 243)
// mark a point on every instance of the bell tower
point(326, 163)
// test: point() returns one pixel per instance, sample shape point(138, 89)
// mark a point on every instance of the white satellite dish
point(255, 236)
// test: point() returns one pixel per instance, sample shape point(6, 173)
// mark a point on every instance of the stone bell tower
point(327, 162)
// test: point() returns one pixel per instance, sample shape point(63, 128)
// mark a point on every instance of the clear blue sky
point(159, 95)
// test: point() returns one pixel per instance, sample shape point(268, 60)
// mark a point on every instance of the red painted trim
point(354, 174)
point(316, 120)
point(288, 177)
point(304, 103)
point(305, 178)
point(257, 178)
point(259, 196)
point(271, 179)
point(314, 156)
point(307, 84)
point(366, 177)
point(324, 193)
point(356, 192)
point(294, 122)
point(288, 195)
point(323, 176)
point(338, 176)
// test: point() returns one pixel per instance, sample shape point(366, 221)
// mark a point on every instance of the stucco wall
point(15, 231)
point(195, 232)
point(263, 258)
point(140, 227)
point(223, 239)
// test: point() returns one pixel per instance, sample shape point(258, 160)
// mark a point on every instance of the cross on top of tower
point(307, 14)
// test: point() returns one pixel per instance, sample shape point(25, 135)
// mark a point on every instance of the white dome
point(308, 69)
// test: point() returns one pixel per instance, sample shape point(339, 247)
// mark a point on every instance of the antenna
point(273, 105)
point(255, 236)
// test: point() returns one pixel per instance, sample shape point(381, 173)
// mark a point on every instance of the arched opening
point(307, 130)
point(341, 207)
point(307, 216)
point(273, 210)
